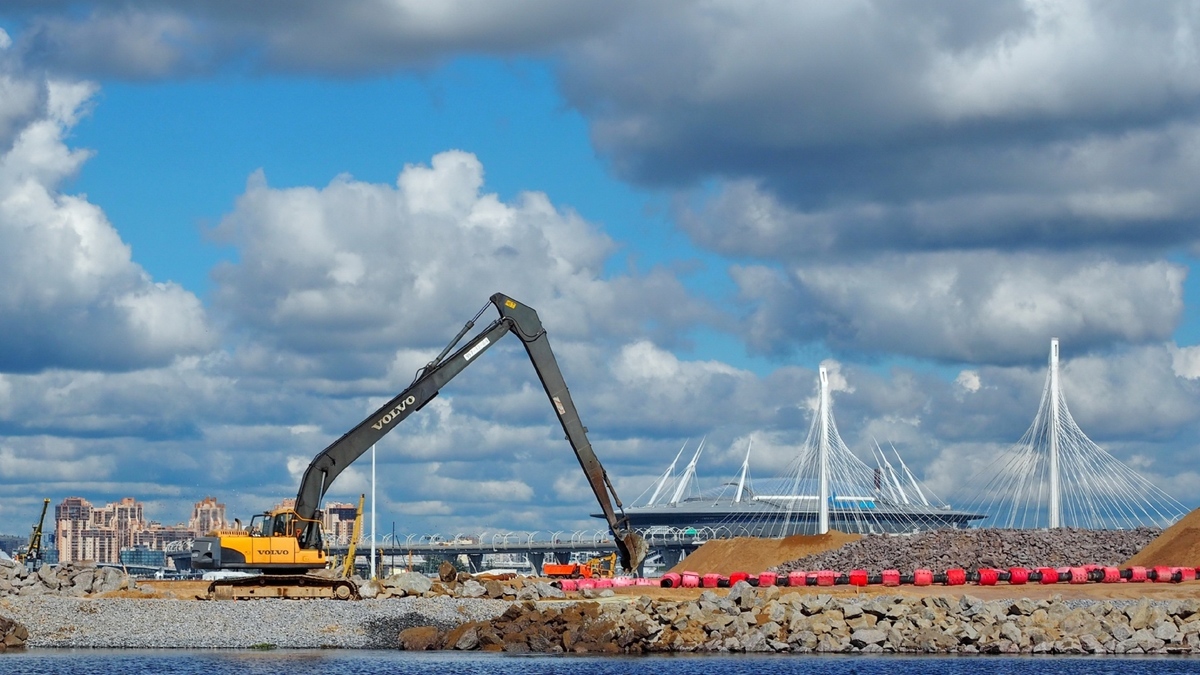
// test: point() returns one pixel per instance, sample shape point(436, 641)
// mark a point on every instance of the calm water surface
point(357, 662)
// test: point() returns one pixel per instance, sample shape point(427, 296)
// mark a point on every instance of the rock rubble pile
point(70, 580)
point(973, 549)
point(459, 585)
point(12, 634)
point(768, 620)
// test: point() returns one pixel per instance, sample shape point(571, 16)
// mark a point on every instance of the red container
point(671, 580)
point(1137, 574)
point(767, 579)
point(797, 579)
point(858, 577)
point(891, 577)
point(737, 576)
point(988, 576)
point(956, 576)
point(1079, 575)
point(1018, 576)
point(1049, 575)
point(1112, 575)
point(826, 577)
point(711, 580)
point(922, 577)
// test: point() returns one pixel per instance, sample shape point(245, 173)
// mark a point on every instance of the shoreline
point(938, 620)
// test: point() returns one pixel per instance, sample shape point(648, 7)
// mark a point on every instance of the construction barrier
point(956, 576)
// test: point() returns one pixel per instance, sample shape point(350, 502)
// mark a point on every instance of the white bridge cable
point(860, 498)
point(667, 478)
point(689, 474)
point(1095, 489)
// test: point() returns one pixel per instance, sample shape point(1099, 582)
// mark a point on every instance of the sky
point(230, 231)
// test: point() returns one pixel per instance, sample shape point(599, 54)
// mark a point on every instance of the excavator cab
point(270, 543)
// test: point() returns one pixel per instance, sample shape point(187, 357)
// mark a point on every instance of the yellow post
point(348, 565)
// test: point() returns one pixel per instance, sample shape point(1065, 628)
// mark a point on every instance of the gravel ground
point(971, 549)
point(184, 624)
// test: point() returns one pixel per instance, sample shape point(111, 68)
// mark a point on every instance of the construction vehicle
point(33, 550)
point(603, 567)
point(285, 545)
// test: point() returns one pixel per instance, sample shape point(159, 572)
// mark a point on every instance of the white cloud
point(52, 459)
point(152, 40)
point(969, 380)
point(1052, 63)
point(70, 293)
point(979, 307)
point(369, 269)
point(1185, 361)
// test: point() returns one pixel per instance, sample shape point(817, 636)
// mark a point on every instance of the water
point(359, 662)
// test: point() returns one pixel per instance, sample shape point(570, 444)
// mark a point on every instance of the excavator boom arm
point(528, 327)
point(334, 459)
point(524, 322)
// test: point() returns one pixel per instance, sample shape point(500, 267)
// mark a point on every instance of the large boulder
point(12, 634)
point(108, 579)
point(420, 638)
point(409, 583)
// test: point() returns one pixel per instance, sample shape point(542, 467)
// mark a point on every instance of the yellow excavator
point(286, 545)
point(603, 567)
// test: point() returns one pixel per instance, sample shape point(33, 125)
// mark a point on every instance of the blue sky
point(230, 232)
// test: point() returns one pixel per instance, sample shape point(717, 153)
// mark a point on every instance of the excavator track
point(282, 586)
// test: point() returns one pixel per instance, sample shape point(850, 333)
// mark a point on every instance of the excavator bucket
point(633, 552)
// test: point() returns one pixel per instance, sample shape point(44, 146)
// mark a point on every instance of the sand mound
point(748, 554)
point(1177, 546)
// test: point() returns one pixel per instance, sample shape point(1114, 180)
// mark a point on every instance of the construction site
point(1062, 550)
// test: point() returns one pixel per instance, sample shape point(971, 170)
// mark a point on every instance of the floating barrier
point(956, 576)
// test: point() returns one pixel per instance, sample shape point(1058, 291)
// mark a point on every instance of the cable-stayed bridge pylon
point(1055, 476)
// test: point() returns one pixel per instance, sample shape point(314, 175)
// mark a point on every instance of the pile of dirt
point(1177, 546)
point(751, 555)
